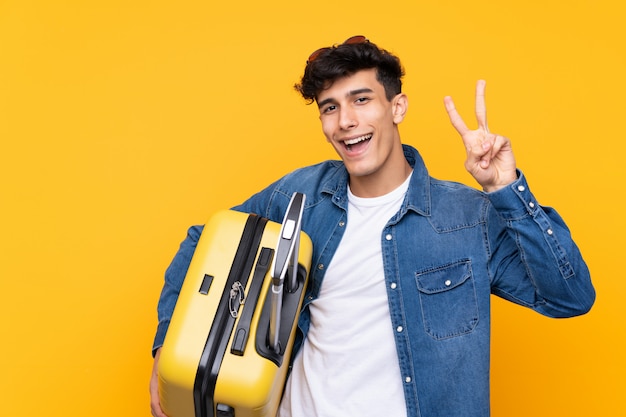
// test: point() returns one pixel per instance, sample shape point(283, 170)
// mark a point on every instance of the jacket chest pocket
point(448, 299)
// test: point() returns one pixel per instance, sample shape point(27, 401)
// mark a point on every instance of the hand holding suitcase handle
point(286, 257)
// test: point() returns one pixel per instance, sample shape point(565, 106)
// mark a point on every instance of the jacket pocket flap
point(444, 278)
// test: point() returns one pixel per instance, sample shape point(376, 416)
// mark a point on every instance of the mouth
point(352, 144)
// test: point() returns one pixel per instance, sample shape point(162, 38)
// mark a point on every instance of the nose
point(347, 119)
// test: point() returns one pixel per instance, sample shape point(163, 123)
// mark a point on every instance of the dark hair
point(336, 62)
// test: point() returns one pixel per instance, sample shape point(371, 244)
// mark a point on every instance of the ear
point(399, 107)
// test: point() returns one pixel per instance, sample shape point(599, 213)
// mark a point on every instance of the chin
point(359, 171)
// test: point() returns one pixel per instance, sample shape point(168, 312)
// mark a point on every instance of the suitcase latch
point(237, 298)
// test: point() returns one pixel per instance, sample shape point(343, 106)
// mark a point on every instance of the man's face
point(361, 124)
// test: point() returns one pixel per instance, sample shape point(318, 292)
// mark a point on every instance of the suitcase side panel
point(227, 312)
point(187, 334)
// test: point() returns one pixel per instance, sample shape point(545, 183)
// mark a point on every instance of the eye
point(362, 100)
point(329, 109)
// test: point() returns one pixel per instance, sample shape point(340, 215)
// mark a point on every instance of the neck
point(381, 183)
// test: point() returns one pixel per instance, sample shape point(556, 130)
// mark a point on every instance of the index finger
point(455, 117)
point(481, 107)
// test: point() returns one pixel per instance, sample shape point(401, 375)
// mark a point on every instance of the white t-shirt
point(348, 364)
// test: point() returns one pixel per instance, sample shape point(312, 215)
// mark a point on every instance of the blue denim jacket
point(446, 250)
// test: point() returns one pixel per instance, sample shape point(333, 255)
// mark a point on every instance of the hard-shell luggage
point(228, 346)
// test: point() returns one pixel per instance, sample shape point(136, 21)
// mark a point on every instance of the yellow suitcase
point(228, 346)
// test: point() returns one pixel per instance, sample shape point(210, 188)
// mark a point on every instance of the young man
point(397, 313)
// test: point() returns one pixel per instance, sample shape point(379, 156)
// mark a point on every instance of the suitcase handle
point(286, 258)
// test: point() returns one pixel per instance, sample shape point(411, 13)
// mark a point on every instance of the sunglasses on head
point(350, 41)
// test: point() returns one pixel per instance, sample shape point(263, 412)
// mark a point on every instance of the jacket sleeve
point(533, 260)
point(174, 277)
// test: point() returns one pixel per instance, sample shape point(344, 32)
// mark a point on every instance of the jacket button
point(389, 237)
point(320, 266)
point(342, 223)
point(407, 379)
point(448, 282)
point(399, 329)
point(393, 285)
point(521, 188)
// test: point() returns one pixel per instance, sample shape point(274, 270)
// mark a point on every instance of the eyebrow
point(350, 94)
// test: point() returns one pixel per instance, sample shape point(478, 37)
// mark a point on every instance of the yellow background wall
point(123, 122)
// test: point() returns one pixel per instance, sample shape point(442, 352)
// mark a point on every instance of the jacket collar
point(418, 194)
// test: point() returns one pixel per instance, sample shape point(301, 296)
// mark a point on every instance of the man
point(397, 313)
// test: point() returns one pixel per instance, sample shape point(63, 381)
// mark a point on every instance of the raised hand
point(490, 157)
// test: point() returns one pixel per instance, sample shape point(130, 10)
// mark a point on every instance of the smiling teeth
point(357, 140)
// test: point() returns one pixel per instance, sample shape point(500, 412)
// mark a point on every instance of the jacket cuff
point(515, 200)
point(160, 335)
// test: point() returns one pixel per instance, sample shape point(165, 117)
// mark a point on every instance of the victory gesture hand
point(490, 158)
